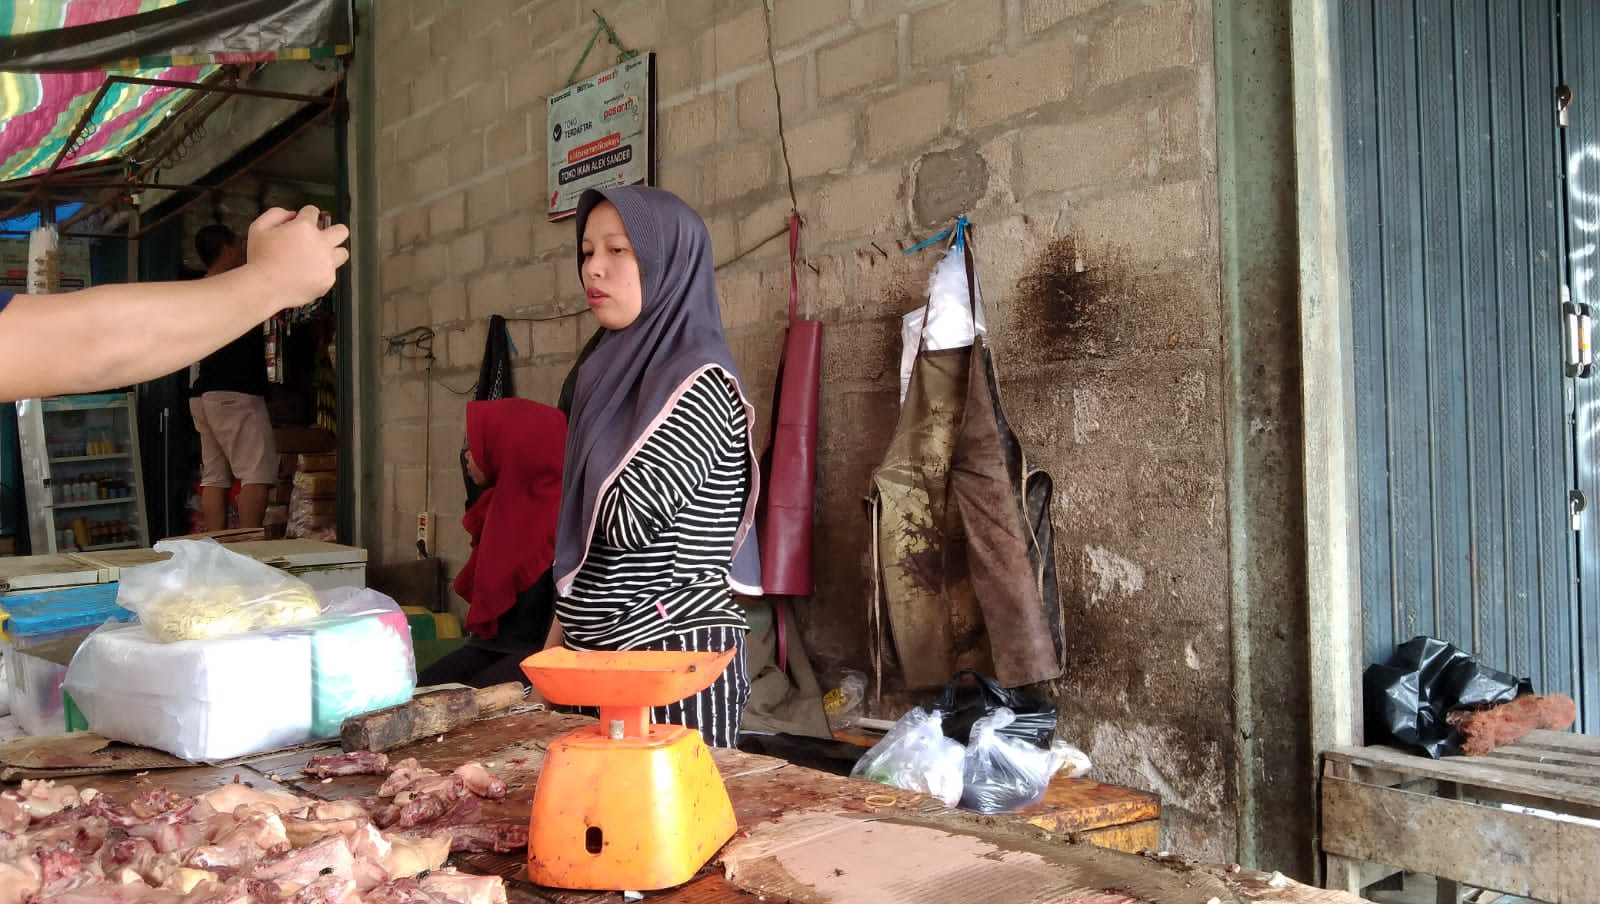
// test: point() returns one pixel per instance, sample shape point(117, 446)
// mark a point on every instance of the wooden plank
point(1560, 740)
point(1577, 761)
point(1470, 775)
point(1576, 773)
point(1487, 847)
point(1133, 838)
point(817, 858)
point(1078, 804)
point(1352, 876)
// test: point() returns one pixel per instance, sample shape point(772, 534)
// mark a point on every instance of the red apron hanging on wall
point(789, 464)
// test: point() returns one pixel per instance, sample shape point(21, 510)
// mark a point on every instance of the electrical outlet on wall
point(425, 534)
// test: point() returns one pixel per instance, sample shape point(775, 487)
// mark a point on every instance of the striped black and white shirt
point(663, 543)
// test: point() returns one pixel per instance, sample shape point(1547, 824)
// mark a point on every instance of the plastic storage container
point(39, 632)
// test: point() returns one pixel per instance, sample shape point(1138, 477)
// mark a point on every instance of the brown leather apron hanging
point(1004, 505)
point(789, 464)
point(922, 599)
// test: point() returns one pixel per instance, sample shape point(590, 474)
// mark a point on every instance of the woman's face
point(610, 271)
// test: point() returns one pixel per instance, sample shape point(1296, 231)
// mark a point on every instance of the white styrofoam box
point(203, 700)
point(325, 566)
point(323, 578)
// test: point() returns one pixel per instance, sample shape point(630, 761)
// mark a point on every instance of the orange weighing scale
point(625, 805)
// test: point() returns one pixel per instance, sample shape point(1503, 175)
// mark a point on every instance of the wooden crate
point(1384, 810)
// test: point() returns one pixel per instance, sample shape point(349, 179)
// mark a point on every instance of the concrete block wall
point(1079, 136)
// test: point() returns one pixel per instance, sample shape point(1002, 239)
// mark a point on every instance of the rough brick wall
point(1077, 134)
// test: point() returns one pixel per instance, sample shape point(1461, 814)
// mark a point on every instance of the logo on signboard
point(555, 132)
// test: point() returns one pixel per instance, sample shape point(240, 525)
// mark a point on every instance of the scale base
point(629, 814)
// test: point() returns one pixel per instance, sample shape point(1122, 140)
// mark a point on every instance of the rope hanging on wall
point(624, 53)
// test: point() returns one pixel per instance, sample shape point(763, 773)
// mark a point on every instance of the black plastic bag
point(1408, 698)
point(1035, 719)
point(494, 382)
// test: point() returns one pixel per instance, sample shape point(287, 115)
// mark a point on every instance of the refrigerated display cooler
point(81, 473)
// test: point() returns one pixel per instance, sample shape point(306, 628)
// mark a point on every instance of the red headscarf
point(518, 444)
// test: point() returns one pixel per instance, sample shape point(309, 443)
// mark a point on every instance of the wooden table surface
point(765, 792)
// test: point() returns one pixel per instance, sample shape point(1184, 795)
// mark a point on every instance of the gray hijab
point(630, 377)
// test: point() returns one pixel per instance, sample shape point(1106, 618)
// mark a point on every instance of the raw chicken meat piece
point(450, 787)
point(122, 852)
point(239, 891)
point(401, 891)
point(309, 831)
point(43, 797)
point(416, 811)
point(58, 861)
point(410, 854)
point(402, 775)
point(465, 887)
point(156, 801)
point(328, 890)
point(369, 847)
point(462, 812)
point(338, 809)
point(228, 798)
point(170, 837)
point(18, 881)
point(303, 866)
point(14, 817)
point(255, 836)
point(186, 880)
point(357, 762)
point(482, 782)
point(118, 815)
point(488, 836)
point(110, 893)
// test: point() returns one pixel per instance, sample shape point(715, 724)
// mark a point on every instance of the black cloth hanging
point(494, 382)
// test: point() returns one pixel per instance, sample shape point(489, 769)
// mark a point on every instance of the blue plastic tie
point(959, 229)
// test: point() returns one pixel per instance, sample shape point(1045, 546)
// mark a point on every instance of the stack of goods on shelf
point(313, 502)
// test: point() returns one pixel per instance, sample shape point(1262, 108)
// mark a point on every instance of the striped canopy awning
point(55, 56)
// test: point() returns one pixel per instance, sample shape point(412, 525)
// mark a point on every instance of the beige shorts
point(235, 439)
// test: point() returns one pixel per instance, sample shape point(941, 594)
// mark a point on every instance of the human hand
point(296, 260)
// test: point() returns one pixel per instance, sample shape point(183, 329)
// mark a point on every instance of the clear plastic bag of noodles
point(207, 590)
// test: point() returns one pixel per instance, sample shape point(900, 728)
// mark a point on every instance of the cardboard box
point(296, 440)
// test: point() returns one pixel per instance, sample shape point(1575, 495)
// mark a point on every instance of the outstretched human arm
point(115, 335)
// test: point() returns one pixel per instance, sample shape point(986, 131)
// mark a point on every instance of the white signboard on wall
point(602, 133)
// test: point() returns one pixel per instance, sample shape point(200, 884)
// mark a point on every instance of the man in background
point(228, 400)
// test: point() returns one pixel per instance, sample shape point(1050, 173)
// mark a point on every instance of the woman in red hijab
point(514, 454)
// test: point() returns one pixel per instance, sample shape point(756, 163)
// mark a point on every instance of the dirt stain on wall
point(1073, 302)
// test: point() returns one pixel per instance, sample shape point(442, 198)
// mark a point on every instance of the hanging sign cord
point(623, 53)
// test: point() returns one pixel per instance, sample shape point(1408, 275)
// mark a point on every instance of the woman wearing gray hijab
point(658, 488)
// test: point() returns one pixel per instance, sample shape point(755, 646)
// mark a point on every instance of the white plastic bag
point(1066, 758)
point(916, 756)
point(207, 590)
point(950, 314)
point(1000, 773)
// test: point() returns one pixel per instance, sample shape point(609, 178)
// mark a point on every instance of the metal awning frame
point(38, 185)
